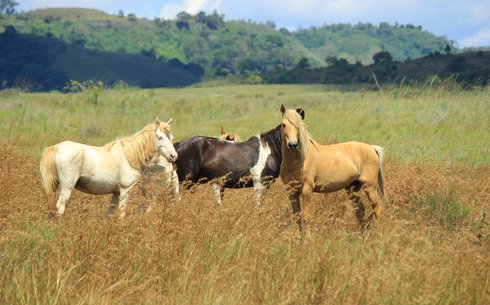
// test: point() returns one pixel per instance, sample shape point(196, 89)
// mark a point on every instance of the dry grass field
point(431, 246)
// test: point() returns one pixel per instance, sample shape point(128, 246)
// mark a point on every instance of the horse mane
point(273, 139)
point(141, 147)
point(303, 136)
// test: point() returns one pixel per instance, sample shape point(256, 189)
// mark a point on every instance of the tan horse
point(309, 167)
point(230, 136)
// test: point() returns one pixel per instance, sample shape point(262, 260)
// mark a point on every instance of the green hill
point(222, 47)
point(468, 69)
point(360, 42)
point(46, 63)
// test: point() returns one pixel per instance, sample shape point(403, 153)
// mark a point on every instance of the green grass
point(440, 125)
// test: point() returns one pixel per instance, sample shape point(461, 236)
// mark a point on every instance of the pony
point(226, 164)
point(309, 167)
point(230, 136)
point(113, 168)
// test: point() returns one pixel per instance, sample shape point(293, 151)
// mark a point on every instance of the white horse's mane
point(141, 147)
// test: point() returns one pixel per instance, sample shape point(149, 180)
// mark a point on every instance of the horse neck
point(137, 151)
point(273, 139)
point(292, 163)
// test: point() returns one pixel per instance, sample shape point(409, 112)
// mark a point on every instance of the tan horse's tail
point(49, 174)
point(381, 154)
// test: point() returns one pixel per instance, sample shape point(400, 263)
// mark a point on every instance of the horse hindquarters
point(372, 181)
point(68, 165)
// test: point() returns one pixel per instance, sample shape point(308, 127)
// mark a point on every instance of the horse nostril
point(292, 145)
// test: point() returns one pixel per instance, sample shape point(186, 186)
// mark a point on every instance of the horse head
point(164, 139)
point(292, 122)
point(229, 136)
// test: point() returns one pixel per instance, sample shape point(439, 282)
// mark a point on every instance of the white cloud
point(482, 38)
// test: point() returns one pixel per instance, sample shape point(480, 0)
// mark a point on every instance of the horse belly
point(98, 184)
point(331, 187)
point(333, 183)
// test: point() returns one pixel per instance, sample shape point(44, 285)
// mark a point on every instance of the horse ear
point(169, 123)
point(301, 112)
point(157, 121)
point(283, 109)
point(222, 130)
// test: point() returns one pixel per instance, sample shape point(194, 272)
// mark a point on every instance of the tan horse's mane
point(141, 147)
point(303, 136)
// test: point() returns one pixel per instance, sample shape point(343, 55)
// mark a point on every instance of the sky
point(467, 22)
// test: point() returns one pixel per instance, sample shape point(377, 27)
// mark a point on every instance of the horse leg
point(306, 194)
point(114, 203)
point(123, 200)
point(258, 191)
point(353, 191)
point(218, 191)
point(174, 180)
point(372, 193)
point(63, 199)
point(68, 179)
point(294, 193)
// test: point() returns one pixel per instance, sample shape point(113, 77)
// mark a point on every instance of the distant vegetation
point(201, 45)
point(38, 63)
point(465, 69)
point(359, 43)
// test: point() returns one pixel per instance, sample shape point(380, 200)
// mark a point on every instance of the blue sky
point(465, 21)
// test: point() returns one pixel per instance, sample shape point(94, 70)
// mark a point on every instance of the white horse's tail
point(49, 174)
point(381, 154)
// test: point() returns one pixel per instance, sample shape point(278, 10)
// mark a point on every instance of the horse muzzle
point(172, 157)
point(293, 146)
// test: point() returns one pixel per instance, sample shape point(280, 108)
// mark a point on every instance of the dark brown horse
point(255, 162)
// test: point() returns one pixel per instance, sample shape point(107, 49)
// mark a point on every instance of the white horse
point(110, 169)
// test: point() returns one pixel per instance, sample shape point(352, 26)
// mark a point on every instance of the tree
point(270, 24)
point(132, 17)
point(7, 7)
point(447, 49)
point(382, 57)
point(303, 64)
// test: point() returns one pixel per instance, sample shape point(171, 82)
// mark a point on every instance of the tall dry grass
point(190, 252)
point(431, 246)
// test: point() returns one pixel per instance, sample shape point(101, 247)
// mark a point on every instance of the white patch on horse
point(217, 193)
point(256, 171)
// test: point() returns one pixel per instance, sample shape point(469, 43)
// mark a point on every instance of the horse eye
point(283, 125)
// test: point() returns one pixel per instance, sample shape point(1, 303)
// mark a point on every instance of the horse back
point(209, 158)
point(336, 166)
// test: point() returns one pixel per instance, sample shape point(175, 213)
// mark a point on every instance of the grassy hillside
point(465, 69)
point(430, 247)
point(360, 42)
point(44, 63)
point(224, 48)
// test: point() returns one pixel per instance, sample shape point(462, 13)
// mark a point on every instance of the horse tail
point(380, 152)
point(49, 174)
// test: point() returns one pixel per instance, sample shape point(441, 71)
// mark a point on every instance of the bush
point(254, 79)
point(445, 209)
